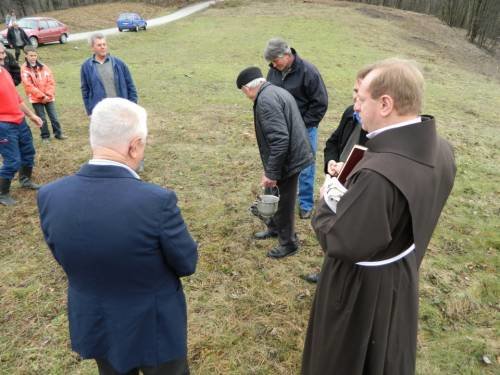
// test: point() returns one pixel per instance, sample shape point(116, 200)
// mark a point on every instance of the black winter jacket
point(281, 135)
point(13, 68)
point(11, 37)
point(307, 87)
point(337, 141)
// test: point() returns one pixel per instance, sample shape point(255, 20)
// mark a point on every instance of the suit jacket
point(123, 245)
point(338, 140)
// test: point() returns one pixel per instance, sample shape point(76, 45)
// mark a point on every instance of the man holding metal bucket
point(284, 149)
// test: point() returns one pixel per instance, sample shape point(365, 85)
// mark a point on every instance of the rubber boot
point(5, 198)
point(25, 178)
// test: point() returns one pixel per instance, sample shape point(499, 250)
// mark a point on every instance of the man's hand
point(334, 167)
point(267, 182)
point(37, 121)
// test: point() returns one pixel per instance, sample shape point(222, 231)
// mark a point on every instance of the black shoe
point(25, 178)
point(304, 214)
point(264, 235)
point(60, 137)
point(312, 277)
point(5, 198)
point(282, 251)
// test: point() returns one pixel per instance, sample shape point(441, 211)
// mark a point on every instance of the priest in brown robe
point(365, 310)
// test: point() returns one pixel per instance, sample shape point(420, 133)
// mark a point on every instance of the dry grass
point(247, 313)
point(101, 16)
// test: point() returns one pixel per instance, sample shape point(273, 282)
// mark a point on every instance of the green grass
point(247, 313)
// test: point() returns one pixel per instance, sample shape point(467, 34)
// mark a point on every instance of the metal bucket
point(267, 205)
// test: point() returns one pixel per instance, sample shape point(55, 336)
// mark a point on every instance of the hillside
point(248, 313)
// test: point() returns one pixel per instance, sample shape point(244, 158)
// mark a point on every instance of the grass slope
point(247, 313)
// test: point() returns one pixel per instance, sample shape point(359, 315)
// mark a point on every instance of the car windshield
point(27, 24)
point(125, 17)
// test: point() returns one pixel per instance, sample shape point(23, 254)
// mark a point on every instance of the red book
point(354, 157)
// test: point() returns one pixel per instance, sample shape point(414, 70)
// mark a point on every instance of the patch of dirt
point(428, 32)
point(377, 13)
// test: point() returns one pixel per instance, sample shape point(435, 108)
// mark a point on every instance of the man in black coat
point(284, 149)
point(303, 80)
point(341, 142)
point(348, 134)
point(17, 38)
point(10, 64)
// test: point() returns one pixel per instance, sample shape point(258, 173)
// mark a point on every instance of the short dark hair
point(29, 48)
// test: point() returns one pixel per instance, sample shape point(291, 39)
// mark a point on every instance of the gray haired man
point(301, 79)
point(124, 246)
point(104, 76)
point(284, 151)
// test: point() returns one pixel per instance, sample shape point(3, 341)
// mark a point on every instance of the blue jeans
point(16, 148)
point(51, 111)
point(306, 177)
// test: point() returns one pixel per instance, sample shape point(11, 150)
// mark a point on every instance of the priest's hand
point(334, 167)
point(267, 182)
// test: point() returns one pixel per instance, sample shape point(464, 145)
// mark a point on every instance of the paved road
point(181, 13)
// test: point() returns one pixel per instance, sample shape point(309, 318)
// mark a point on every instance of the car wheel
point(63, 38)
point(34, 41)
point(120, 30)
point(144, 28)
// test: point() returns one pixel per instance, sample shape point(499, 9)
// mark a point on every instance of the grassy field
point(248, 313)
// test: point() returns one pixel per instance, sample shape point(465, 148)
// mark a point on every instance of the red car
point(41, 30)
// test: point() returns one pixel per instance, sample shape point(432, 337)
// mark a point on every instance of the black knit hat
point(248, 75)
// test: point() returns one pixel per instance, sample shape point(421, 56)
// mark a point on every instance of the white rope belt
point(390, 260)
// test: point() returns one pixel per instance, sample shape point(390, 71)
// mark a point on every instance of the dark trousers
point(283, 221)
point(18, 51)
point(175, 367)
point(16, 148)
point(51, 111)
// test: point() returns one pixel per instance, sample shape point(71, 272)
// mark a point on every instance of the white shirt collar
point(115, 163)
point(390, 127)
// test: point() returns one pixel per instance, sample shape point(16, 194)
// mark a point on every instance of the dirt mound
point(428, 32)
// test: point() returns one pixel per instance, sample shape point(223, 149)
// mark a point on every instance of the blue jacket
point(123, 245)
point(93, 89)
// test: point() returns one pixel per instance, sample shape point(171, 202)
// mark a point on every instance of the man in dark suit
point(341, 142)
point(123, 245)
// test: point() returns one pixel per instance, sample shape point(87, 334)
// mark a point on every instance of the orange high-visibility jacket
point(38, 83)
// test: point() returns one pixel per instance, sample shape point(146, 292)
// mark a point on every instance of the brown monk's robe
point(364, 319)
